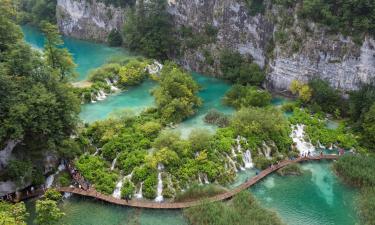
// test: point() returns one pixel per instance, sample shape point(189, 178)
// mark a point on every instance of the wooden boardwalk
point(180, 205)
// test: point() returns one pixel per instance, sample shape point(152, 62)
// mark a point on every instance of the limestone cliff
point(302, 56)
point(90, 20)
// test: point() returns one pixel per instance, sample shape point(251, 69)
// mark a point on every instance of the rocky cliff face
point(331, 57)
point(86, 19)
point(238, 31)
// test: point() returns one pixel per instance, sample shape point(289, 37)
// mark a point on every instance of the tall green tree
point(176, 96)
point(47, 212)
point(149, 30)
point(57, 57)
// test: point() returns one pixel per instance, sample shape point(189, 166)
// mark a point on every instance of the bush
point(52, 194)
point(217, 118)
point(324, 95)
point(64, 179)
point(242, 209)
point(291, 169)
point(114, 38)
point(127, 189)
point(149, 187)
point(366, 208)
point(199, 192)
point(245, 96)
point(357, 170)
point(176, 96)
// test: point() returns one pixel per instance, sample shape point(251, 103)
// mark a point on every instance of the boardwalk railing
point(179, 205)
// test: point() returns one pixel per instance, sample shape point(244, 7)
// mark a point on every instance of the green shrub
point(242, 209)
point(127, 189)
point(199, 192)
point(114, 38)
point(366, 208)
point(245, 96)
point(64, 179)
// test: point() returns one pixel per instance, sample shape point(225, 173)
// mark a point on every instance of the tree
point(114, 38)
point(13, 214)
point(176, 96)
point(148, 29)
point(369, 127)
point(58, 58)
point(245, 96)
point(47, 212)
point(324, 95)
point(302, 90)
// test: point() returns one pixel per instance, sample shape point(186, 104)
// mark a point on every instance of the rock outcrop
point(332, 57)
point(91, 20)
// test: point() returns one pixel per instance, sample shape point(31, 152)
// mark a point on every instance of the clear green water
point(87, 55)
point(316, 198)
point(86, 211)
point(135, 99)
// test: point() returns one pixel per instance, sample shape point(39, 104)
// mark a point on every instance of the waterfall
point(110, 84)
point(97, 151)
point(154, 68)
point(93, 98)
point(51, 178)
point(100, 96)
point(267, 151)
point(233, 152)
point(205, 178)
point(139, 193)
point(200, 180)
point(298, 136)
point(330, 147)
point(114, 163)
point(232, 163)
point(117, 191)
point(319, 145)
point(247, 159)
point(67, 195)
point(159, 197)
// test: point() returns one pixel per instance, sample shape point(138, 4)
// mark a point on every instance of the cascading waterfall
point(51, 178)
point(159, 196)
point(139, 194)
point(100, 96)
point(319, 145)
point(111, 85)
point(266, 151)
point(117, 192)
point(205, 178)
point(298, 136)
point(200, 180)
point(247, 159)
point(97, 151)
point(232, 163)
point(114, 163)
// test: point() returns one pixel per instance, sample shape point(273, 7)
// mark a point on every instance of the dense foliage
point(149, 30)
point(37, 104)
point(176, 96)
point(236, 68)
point(37, 11)
point(357, 170)
point(328, 98)
point(47, 212)
point(317, 130)
point(367, 205)
point(13, 214)
point(196, 192)
point(245, 96)
point(242, 209)
point(114, 38)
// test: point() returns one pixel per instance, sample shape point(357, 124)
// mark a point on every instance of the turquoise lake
point(316, 198)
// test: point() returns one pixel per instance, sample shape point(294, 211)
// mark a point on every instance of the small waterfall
point(232, 163)
point(93, 98)
point(154, 68)
point(139, 194)
point(330, 147)
point(247, 159)
point(159, 197)
point(205, 178)
point(100, 96)
point(117, 191)
point(110, 84)
point(51, 178)
point(67, 195)
point(97, 151)
point(267, 151)
point(233, 152)
point(200, 180)
point(319, 145)
point(298, 136)
point(114, 163)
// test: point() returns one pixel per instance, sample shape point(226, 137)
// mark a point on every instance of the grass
point(243, 209)
point(199, 192)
